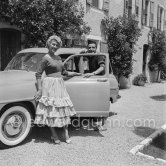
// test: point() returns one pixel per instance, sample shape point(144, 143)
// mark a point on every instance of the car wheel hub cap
point(13, 125)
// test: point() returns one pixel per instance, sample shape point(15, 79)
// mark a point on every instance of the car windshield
point(29, 61)
point(25, 61)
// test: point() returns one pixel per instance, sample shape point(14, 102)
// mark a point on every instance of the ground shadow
point(43, 134)
point(112, 113)
point(143, 131)
point(157, 148)
point(160, 141)
point(159, 97)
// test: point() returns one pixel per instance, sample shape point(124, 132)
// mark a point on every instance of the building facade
point(150, 14)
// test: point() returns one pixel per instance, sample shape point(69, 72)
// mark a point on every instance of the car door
point(90, 96)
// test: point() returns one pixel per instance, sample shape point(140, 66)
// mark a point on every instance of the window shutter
point(137, 2)
point(165, 19)
point(158, 18)
point(106, 5)
point(129, 7)
point(126, 4)
point(143, 12)
point(151, 14)
point(151, 19)
point(137, 7)
point(89, 2)
point(129, 3)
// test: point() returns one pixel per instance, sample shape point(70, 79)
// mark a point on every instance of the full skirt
point(55, 107)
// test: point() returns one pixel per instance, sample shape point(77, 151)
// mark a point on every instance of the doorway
point(10, 44)
point(146, 58)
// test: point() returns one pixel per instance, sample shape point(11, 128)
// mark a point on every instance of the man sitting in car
point(96, 63)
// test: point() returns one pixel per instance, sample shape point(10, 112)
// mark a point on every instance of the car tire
point(15, 125)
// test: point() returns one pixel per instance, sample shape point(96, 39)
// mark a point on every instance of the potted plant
point(158, 54)
point(122, 34)
point(139, 80)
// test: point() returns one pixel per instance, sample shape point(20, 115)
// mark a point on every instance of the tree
point(38, 19)
point(122, 34)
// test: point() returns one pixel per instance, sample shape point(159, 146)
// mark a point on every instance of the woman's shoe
point(55, 140)
point(68, 141)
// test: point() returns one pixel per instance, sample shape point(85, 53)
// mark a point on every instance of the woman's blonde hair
point(54, 37)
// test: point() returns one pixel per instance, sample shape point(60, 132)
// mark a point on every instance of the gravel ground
point(127, 127)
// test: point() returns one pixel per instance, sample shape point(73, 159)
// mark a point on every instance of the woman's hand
point(38, 95)
point(72, 74)
point(87, 75)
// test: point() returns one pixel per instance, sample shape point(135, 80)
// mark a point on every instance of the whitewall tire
point(15, 125)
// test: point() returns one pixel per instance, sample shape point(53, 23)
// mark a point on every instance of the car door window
point(85, 63)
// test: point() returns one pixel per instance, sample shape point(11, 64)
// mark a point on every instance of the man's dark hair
point(92, 42)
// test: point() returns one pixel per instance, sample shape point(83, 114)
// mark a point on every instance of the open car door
point(90, 96)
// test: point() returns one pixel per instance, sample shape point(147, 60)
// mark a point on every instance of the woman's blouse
point(50, 65)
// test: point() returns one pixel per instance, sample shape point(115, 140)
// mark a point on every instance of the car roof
point(60, 50)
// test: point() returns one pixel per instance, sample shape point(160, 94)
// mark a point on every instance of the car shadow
point(143, 131)
point(159, 97)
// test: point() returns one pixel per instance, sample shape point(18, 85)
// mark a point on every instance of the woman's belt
point(57, 74)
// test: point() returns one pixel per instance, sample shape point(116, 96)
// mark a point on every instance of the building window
point(151, 19)
point(128, 7)
point(145, 5)
point(160, 12)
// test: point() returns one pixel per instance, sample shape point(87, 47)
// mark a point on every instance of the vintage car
point(91, 96)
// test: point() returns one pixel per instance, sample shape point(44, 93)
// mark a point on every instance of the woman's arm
point(71, 74)
point(38, 75)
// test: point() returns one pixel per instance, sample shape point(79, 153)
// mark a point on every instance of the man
point(96, 67)
point(96, 63)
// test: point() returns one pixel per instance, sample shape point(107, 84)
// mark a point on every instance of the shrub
point(139, 80)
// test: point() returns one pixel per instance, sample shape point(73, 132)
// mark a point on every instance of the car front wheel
point(15, 125)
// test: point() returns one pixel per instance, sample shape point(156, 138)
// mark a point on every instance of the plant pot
point(154, 76)
point(124, 83)
point(141, 83)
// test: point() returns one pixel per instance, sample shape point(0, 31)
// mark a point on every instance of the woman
point(55, 107)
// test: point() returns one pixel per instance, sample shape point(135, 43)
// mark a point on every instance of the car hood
point(16, 76)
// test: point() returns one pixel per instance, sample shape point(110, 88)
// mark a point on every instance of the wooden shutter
point(129, 7)
point(165, 21)
point(137, 7)
point(143, 11)
point(158, 18)
point(126, 4)
point(106, 5)
point(151, 21)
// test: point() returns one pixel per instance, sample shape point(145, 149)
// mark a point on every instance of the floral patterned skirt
point(55, 107)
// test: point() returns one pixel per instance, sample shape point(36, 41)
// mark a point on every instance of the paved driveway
point(137, 114)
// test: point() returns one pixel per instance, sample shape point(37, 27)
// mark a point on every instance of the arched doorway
point(10, 44)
